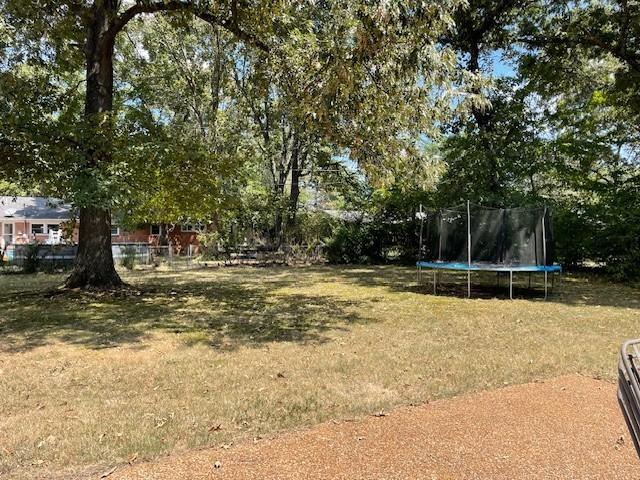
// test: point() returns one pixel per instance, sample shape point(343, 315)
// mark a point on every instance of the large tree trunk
point(294, 194)
point(278, 222)
point(483, 119)
point(94, 262)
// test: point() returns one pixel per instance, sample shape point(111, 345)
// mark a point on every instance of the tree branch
point(587, 39)
point(230, 24)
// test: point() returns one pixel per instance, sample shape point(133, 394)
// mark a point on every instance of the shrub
point(31, 259)
point(356, 242)
point(209, 242)
point(128, 259)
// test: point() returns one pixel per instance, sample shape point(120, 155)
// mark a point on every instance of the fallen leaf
point(215, 428)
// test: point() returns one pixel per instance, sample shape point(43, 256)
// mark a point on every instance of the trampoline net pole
point(469, 249)
point(421, 229)
point(440, 237)
point(545, 284)
point(434, 280)
point(544, 252)
point(420, 246)
point(511, 284)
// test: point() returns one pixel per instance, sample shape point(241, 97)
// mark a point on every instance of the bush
point(626, 267)
point(209, 242)
point(356, 242)
point(128, 259)
point(311, 229)
point(31, 260)
point(604, 232)
point(383, 239)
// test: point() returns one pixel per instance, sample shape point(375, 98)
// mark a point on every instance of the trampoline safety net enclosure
point(473, 237)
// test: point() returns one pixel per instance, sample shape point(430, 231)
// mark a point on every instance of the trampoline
point(474, 238)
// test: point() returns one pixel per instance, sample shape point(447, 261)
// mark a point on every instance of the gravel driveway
point(568, 427)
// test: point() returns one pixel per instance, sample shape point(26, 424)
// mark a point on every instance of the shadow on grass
point(248, 306)
point(569, 288)
point(224, 314)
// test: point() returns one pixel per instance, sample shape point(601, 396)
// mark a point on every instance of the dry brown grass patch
point(87, 382)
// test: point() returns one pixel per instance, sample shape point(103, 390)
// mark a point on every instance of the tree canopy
point(164, 111)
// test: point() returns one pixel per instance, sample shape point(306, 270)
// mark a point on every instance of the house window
point(37, 228)
point(53, 227)
point(156, 229)
point(8, 233)
point(192, 227)
point(115, 230)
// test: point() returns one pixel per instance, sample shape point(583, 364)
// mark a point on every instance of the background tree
point(361, 59)
point(290, 147)
point(177, 92)
point(483, 30)
point(94, 27)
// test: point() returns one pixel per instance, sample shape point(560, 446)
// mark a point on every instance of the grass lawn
point(210, 357)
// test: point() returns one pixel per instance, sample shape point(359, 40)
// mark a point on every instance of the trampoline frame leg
point(468, 283)
point(435, 272)
point(546, 287)
point(511, 284)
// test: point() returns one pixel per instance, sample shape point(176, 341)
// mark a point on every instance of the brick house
point(178, 235)
point(40, 219)
point(28, 219)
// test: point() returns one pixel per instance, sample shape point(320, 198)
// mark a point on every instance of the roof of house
point(44, 208)
point(348, 215)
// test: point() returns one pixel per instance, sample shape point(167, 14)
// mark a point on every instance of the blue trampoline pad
point(489, 267)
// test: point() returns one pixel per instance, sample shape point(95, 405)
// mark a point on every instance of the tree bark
point(94, 262)
point(278, 224)
point(93, 267)
point(296, 175)
point(483, 120)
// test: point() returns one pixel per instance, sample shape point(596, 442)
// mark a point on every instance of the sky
point(501, 67)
